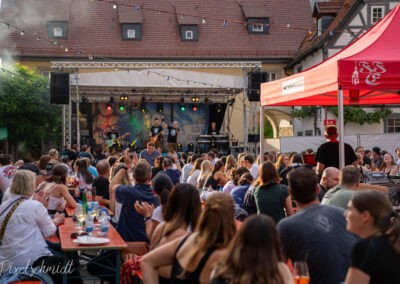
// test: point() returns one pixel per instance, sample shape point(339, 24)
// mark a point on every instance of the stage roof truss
point(62, 65)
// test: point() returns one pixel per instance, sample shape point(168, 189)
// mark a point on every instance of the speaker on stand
point(59, 88)
point(255, 78)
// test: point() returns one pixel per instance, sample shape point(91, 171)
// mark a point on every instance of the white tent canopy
point(159, 78)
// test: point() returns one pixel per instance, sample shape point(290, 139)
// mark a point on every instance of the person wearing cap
point(376, 158)
point(328, 152)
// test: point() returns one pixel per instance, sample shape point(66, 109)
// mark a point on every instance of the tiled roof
point(313, 42)
point(327, 8)
point(130, 15)
point(94, 28)
point(254, 10)
point(186, 14)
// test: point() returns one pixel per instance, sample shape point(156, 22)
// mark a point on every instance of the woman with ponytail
point(375, 258)
point(191, 259)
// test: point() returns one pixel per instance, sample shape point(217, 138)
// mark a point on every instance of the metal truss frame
point(152, 64)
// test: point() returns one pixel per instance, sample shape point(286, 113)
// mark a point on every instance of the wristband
point(146, 219)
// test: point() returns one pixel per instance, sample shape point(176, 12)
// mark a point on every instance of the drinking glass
point(80, 216)
point(300, 272)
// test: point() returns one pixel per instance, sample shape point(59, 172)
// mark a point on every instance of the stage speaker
point(253, 138)
point(253, 88)
point(59, 88)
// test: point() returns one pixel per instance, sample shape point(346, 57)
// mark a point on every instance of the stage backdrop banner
point(137, 123)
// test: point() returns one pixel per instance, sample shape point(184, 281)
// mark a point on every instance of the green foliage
point(360, 116)
point(25, 110)
point(351, 114)
point(303, 112)
point(268, 132)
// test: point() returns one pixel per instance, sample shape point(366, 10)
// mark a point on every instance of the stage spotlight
point(179, 147)
point(110, 104)
point(219, 108)
point(194, 107)
point(195, 99)
point(182, 106)
point(160, 107)
point(143, 105)
point(124, 98)
point(121, 107)
point(190, 147)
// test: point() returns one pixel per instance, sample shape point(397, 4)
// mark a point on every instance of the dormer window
point(189, 33)
point(258, 25)
point(57, 29)
point(131, 31)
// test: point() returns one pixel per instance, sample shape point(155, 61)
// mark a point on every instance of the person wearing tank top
point(192, 258)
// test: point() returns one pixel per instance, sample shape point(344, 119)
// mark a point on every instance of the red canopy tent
point(367, 72)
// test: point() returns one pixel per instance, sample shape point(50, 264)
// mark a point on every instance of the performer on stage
point(111, 135)
point(172, 135)
point(156, 134)
point(213, 130)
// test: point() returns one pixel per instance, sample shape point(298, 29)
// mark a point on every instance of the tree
point(26, 112)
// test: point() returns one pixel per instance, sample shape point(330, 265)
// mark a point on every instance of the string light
point(114, 6)
point(225, 23)
point(203, 20)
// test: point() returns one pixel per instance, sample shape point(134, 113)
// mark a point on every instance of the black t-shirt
point(101, 185)
point(328, 154)
point(155, 130)
point(377, 258)
point(213, 131)
point(112, 135)
point(318, 235)
point(172, 134)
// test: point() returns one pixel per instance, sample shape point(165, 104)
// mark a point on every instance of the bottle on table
point(103, 220)
point(89, 223)
point(84, 201)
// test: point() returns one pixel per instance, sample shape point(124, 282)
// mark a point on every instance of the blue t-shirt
point(174, 175)
point(131, 224)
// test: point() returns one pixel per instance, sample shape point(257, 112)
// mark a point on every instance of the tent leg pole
point(341, 129)
point(261, 134)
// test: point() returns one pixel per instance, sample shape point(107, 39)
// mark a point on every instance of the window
point(393, 125)
point(131, 31)
point(273, 76)
point(258, 28)
point(57, 29)
point(377, 12)
point(258, 25)
point(189, 33)
point(58, 32)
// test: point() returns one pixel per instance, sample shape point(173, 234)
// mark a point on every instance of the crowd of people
point(213, 219)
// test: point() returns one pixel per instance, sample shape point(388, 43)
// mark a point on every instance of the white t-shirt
point(24, 239)
point(157, 214)
point(193, 178)
point(254, 170)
